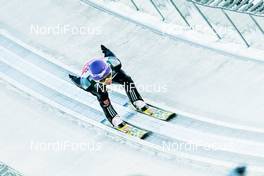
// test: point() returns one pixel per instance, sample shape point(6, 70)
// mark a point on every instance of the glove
point(106, 51)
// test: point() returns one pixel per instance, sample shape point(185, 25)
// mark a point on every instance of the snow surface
point(37, 68)
point(198, 80)
point(26, 122)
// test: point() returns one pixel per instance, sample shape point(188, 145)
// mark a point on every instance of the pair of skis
point(157, 113)
point(132, 130)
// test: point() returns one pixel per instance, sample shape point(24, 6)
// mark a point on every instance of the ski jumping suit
point(100, 91)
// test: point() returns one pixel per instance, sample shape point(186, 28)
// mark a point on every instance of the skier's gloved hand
point(103, 48)
point(106, 51)
point(239, 171)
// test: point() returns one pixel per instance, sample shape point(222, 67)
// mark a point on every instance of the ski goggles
point(107, 78)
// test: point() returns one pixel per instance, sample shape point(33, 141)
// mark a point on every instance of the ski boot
point(120, 125)
point(140, 105)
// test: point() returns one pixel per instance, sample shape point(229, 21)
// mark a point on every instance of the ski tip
point(146, 135)
point(173, 115)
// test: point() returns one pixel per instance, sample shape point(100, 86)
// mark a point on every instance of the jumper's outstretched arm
point(107, 52)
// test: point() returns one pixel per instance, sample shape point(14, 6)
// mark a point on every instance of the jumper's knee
point(103, 99)
point(105, 103)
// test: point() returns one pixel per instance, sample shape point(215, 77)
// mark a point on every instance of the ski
point(156, 112)
point(129, 129)
point(134, 131)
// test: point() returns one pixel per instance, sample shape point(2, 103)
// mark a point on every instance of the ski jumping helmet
point(99, 69)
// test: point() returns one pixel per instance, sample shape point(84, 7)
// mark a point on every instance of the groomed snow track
point(44, 78)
